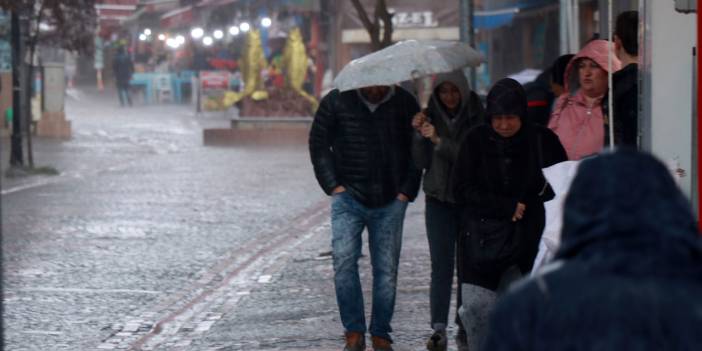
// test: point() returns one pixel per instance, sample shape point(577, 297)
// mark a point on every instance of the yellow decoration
point(253, 61)
point(295, 65)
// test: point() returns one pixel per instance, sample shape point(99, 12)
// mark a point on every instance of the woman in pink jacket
point(577, 117)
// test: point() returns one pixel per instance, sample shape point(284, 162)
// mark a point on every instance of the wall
point(667, 73)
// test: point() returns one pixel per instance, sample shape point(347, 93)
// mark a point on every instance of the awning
point(494, 18)
point(177, 18)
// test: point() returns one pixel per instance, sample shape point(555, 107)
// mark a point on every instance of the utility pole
point(16, 154)
point(467, 34)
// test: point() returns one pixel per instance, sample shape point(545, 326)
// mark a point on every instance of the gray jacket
point(437, 160)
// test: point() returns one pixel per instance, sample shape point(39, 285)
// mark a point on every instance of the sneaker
point(381, 344)
point(355, 341)
point(461, 340)
point(437, 342)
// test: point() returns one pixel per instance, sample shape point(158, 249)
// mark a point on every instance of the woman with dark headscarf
point(498, 177)
point(628, 274)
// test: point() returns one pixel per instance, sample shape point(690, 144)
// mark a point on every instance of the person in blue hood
point(439, 131)
point(628, 274)
point(499, 179)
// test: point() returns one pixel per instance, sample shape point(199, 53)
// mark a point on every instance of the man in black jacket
point(360, 148)
point(626, 80)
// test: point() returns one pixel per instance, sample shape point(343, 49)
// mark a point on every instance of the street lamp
point(147, 31)
point(197, 33)
point(244, 26)
point(218, 34)
point(207, 41)
point(172, 42)
point(161, 37)
point(266, 22)
point(234, 30)
point(142, 37)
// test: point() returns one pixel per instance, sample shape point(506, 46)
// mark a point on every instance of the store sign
point(414, 19)
point(214, 79)
point(407, 14)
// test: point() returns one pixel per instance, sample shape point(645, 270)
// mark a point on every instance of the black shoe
point(437, 342)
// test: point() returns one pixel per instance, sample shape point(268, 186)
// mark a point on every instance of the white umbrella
point(406, 60)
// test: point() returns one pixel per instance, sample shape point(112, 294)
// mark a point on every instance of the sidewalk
point(273, 292)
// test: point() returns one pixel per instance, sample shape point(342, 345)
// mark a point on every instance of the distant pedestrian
point(499, 178)
point(123, 68)
point(558, 74)
point(577, 117)
point(360, 146)
point(628, 273)
point(440, 130)
point(539, 98)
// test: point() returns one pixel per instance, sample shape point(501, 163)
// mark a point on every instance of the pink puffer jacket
point(580, 126)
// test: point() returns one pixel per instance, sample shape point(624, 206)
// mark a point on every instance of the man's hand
point(519, 212)
point(402, 197)
point(338, 189)
point(418, 120)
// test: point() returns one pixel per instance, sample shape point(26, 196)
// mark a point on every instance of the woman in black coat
point(498, 177)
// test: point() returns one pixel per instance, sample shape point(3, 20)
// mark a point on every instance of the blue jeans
point(384, 224)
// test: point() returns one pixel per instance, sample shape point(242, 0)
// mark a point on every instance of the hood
point(595, 50)
point(625, 209)
point(458, 79)
point(507, 97)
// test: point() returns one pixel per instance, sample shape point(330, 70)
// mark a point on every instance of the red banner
point(214, 79)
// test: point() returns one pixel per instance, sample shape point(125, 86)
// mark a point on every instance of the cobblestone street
point(149, 240)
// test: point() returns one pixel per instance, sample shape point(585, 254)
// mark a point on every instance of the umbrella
point(406, 60)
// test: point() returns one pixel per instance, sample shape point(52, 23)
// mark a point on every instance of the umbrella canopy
point(406, 60)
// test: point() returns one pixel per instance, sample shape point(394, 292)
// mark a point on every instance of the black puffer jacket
point(366, 152)
point(628, 275)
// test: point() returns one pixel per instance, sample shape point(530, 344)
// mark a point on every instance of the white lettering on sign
point(413, 19)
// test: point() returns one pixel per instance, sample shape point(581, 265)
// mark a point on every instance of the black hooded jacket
point(494, 173)
point(438, 160)
point(629, 270)
point(368, 152)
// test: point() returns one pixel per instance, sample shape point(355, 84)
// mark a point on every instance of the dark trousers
point(442, 222)
point(123, 92)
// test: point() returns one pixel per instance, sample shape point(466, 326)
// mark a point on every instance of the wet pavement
point(149, 240)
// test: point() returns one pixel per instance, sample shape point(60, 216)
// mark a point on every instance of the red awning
point(177, 18)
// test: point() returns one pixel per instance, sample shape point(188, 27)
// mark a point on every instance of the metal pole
point(467, 31)
point(699, 111)
point(16, 154)
point(610, 91)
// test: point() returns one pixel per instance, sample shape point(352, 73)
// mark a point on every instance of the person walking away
point(577, 117)
point(439, 131)
point(628, 273)
point(123, 68)
point(360, 147)
point(499, 178)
